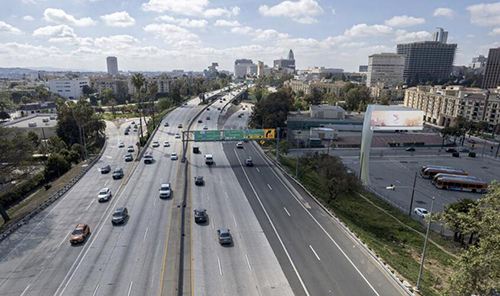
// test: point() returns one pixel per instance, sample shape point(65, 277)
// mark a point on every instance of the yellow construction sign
point(269, 134)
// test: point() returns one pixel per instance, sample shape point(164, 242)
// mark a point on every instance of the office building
point(240, 67)
point(118, 85)
point(491, 77)
point(260, 69)
point(442, 105)
point(363, 68)
point(212, 72)
point(428, 60)
point(288, 63)
point(318, 73)
point(252, 70)
point(112, 63)
point(386, 68)
point(69, 88)
point(478, 62)
point(440, 35)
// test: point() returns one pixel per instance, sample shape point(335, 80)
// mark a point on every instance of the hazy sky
point(191, 34)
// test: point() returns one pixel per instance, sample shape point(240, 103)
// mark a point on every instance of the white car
point(239, 145)
point(205, 127)
point(421, 212)
point(130, 149)
point(165, 190)
point(121, 145)
point(177, 136)
point(166, 144)
point(173, 156)
point(104, 195)
point(156, 144)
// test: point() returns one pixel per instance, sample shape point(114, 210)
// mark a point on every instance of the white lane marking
point(248, 262)
point(220, 267)
point(64, 239)
point(286, 211)
point(235, 222)
point(398, 182)
point(315, 254)
point(208, 196)
point(25, 290)
point(226, 194)
point(106, 183)
point(269, 186)
point(213, 223)
point(154, 202)
point(322, 228)
point(274, 228)
point(257, 170)
point(130, 288)
point(91, 202)
point(95, 291)
point(107, 156)
point(145, 233)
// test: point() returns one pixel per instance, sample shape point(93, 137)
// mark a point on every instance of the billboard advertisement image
point(397, 120)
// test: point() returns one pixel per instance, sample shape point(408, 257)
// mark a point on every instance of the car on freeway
point(165, 190)
point(224, 236)
point(104, 195)
point(451, 150)
point(205, 127)
point(410, 149)
point(133, 122)
point(173, 156)
point(105, 169)
point(199, 181)
point(200, 121)
point(223, 99)
point(121, 145)
point(118, 173)
point(156, 144)
point(220, 101)
point(218, 108)
point(180, 125)
point(177, 136)
point(135, 129)
point(128, 157)
point(165, 124)
point(200, 216)
point(207, 118)
point(166, 144)
point(130, 149)
point(421, 212)
point(239, 145)
point(126, 132)
point(119, 216)
point(465, 150)
point(135, 125)
point(471, 141)
point(196, 149)
point(209, 159)
point(79, 234)
point(148, 158)
point(239, 115)
point(208, 109)
point(249, 162)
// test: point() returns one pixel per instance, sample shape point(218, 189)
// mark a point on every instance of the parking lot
point(400, 171)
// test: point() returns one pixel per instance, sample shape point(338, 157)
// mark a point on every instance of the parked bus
point(441, 175)
point(430, 172)
point(433, 166)
point(461, 183)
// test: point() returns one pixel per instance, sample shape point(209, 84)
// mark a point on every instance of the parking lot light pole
point(425, 247)
point(412, 194)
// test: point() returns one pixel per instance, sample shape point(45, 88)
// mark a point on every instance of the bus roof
point(435, 166)
point(454, 178)
point(443, 175)
point(446, 170)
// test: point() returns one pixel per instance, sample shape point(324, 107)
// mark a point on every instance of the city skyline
point(162, 35)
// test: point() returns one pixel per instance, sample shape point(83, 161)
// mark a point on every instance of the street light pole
point(412, 194)
point(425, 247)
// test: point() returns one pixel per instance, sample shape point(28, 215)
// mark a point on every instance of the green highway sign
point(255, 134)
point(234, 135)
point(208, 135)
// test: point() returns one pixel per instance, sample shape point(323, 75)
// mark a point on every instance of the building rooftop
point(325, 107)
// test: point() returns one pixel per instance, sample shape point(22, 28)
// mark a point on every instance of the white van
point(209, 159)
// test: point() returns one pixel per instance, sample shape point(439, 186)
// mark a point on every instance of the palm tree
point(152, 91)
point(139, 81)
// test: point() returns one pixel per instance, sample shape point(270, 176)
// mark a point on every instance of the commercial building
point(117, 84)
point(428, 60)
point(442, 105)
point(478, 62)
point(318, 73)
point(211, 73)
point(163, 82)
point(288, 63)
point(308, 86)
point(36, 108)
point(252, 70)
point(240, 67)
point(392, 93)
point(70, 88)
point(112, 63)
point(363, 68)
point(385, 68)
point(491, 77)
point(260, 69)
point(333, 117)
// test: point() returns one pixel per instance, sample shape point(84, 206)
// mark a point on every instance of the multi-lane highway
point(283, 243)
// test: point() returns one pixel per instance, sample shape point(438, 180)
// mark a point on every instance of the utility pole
point(425, 246)
point(412, 194)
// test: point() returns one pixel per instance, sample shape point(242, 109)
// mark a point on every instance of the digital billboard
point(397, 120)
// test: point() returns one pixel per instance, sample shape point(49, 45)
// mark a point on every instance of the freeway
point(246, 267)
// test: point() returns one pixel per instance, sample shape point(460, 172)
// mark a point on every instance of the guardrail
point(53, 198)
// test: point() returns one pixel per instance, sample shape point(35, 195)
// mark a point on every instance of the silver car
point(224, 236)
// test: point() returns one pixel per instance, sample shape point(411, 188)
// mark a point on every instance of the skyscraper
point(428, 60)
point(491, 77)
point(241, 66)
point(290, 55)
point(260, 69)
point(112, 63)
point(386, 68)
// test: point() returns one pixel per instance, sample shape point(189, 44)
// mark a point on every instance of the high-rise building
point(240, 67)
point(478, 62)
point(290, 55)
point(363, 68)
point(428, 60)
point(260, 69)
point(491, 77)
point(288, 63)
point(112, 63)
point(386, 69)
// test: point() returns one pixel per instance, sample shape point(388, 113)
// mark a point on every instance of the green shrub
point(56, 166)
point(16, 193)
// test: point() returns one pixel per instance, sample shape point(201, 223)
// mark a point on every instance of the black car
point(128, 157)
point(126, 132)
point(200, 121)
point(249, 162)
point(119, 216)
point(198, 180)
point(118, 173)
point(451, 150)
point(410, 149)
point(105, 169)
point(200, 216)
point(455, 154)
